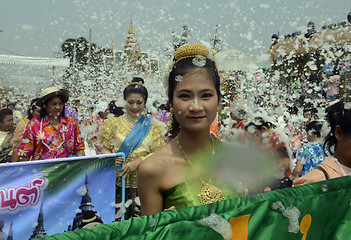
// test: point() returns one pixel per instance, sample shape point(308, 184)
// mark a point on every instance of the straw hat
point(51, 92)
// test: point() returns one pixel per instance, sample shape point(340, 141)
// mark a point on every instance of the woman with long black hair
point(336, 145)
point(173, 177)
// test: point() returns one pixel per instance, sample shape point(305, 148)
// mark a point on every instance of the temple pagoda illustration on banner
point(39, 230)
point(85, 205)
point(131, 58)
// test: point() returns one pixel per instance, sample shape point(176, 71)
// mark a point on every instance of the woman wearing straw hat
point(52, 135)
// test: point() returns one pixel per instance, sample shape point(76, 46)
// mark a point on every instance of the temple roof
point(132, 49)
point(131, 43)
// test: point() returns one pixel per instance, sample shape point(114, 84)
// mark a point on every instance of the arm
point(129, 167)
point(325, 77)
point(27, 146)
point(151, 197)
point(78, 141)
point(15, 157)
point(106, 138)
point(157, 142)
point(298, 169)
point(79, 152)
point(312, 176)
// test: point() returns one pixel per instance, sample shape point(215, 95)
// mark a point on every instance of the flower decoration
point(167, 71)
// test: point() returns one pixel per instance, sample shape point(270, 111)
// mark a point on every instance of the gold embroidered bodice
point(115, 130)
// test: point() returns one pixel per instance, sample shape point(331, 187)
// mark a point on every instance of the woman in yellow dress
point(135, 135)
point(175, 176)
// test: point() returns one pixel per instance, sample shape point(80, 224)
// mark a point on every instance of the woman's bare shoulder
point(157, 163)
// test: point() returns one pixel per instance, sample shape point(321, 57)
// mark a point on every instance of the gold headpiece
point(135, 83)
point(191, 50)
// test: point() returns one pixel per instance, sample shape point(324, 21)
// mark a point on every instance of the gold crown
point(191, 50)
point(135, 83)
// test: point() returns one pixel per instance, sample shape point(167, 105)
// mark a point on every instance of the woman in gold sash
point(120, 134)
point(173, 176)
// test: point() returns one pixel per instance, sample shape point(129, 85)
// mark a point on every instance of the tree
point(76, 50)
point(181, 38)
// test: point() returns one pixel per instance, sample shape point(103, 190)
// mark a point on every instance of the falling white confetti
point(199, 61)
point(292, 213)
point(151, 222)
point(347, 106)
point(82, 191)
point(178, 78)
point(218, 224)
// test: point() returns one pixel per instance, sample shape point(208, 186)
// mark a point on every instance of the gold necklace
point(208, 193)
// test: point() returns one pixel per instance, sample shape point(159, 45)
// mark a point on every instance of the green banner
point(315, 211)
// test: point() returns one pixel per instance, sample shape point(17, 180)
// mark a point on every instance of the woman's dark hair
point(314, 127)
point(259, 123)
point(43, 112)
point(336, 72)
point(293, 109)
point(31, 108)
point(163, 107)
point(310, 108)
point(117, 111)
point(337, 115)
point(137, 86)
point(5, 112)
point(182, 67)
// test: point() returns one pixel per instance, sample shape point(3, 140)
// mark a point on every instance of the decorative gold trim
point(135, 83)
point(208, 193)
point(191, 50)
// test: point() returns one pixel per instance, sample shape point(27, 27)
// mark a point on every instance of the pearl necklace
point(208, 193)
point(42, 135)
point(344, 171)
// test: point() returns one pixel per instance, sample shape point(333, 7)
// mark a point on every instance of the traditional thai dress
point(113, 133)
point(42, 141)
point(200, 188)
point(6, 146)
point(186, 194)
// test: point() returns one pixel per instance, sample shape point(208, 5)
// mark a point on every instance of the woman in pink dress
point(52, 135)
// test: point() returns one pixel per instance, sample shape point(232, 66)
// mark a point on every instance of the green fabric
point(327, 202)
point(185, 193)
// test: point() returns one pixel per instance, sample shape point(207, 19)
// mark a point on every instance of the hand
point(267, 189)
point(171, 208)
point(130, 167)
point(119, 161)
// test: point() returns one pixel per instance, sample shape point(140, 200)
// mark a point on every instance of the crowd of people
point(166, 151)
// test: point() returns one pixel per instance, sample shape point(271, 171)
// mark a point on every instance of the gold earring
point(170, 120)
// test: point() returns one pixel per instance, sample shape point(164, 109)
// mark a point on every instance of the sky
point(38, 27)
